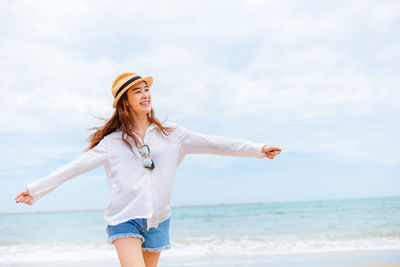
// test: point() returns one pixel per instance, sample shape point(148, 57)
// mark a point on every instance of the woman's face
point(139, 98)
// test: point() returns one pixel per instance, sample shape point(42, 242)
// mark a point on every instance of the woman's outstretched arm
point(199, 143)
point(86, 162)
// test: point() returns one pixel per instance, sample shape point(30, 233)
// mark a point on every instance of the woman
point(140, 156)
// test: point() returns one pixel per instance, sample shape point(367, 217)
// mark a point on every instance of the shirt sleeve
point(199, 143)
point(91, 159)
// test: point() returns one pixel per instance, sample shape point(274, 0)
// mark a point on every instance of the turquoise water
point(258, 233)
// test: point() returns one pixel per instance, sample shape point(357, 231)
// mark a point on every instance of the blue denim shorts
point(155, 239)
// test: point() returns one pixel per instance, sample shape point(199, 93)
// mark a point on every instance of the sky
point(319, 79)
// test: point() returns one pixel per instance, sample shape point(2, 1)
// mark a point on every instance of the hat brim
point(148, 80)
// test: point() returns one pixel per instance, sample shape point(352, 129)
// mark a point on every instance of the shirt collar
point(151, 127)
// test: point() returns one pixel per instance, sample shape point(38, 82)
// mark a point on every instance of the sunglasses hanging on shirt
point(147, 160)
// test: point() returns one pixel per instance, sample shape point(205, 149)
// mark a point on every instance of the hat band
point(126, 84)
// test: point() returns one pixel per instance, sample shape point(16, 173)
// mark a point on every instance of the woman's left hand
point(271, 151)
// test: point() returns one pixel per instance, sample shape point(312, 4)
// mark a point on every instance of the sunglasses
point(145, 152)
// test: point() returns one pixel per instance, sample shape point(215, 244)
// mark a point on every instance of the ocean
point(307, 233)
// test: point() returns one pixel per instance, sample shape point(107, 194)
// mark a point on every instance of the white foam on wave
point(31, 253)
point(264, 246)
point(210, 247)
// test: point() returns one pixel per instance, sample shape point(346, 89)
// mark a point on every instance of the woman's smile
point(146, 104)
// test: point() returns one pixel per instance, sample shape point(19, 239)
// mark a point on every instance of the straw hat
point(125, 81)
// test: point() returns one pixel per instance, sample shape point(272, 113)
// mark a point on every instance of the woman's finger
point(271, 148)
point(277, 150)
point(272, 153)
point(20, 194)
point(25, 198)
point(26, 201)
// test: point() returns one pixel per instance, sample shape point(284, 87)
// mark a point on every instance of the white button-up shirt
point(136, 191)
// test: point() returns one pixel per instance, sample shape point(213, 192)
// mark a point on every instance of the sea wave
point(259, 246)
point(210, 247)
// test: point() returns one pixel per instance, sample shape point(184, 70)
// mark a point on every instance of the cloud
point(310, 75)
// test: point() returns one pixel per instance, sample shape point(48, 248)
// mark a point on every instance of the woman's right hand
point(271, 151)
point(24, 197)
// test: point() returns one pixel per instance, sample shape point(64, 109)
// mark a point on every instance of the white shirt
point(136, 191)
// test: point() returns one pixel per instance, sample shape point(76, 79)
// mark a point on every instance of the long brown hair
point(124, 120)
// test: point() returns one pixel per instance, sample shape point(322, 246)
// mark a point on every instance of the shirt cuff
point(258, 147)
point(29, 188)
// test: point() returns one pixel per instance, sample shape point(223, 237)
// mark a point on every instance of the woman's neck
point(141, 123)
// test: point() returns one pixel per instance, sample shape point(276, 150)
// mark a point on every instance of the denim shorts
point(155, 239)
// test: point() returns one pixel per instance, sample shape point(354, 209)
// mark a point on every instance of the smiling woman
point(132, 115)
point(140, 156)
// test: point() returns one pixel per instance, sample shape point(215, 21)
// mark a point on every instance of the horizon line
point(198, 205)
